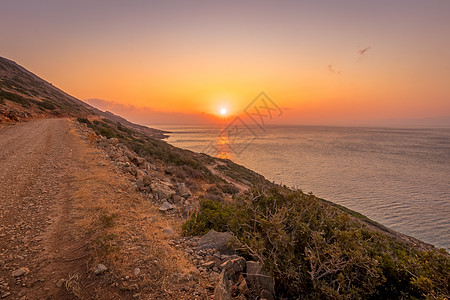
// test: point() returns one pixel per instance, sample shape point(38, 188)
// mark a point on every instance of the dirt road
point(38, 247)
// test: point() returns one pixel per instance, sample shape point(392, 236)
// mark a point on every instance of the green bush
point(319, 251)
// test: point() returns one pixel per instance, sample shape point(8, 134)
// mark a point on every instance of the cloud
point(331, 69)
point(362, 53)
point(150, 116)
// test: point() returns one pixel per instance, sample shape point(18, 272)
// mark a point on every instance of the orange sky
point(199, 56)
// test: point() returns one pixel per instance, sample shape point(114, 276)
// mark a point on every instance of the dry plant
point(72, 285)
point(127, 227)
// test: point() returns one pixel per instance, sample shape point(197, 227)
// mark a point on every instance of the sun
point(223, 111)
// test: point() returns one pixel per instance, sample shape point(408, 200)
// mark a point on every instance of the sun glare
point(223, 111)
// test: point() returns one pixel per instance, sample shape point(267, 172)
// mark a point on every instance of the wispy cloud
point(332, 70)
point(148, 115)
point(362, 53)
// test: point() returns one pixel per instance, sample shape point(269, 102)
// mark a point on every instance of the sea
point(399, 177)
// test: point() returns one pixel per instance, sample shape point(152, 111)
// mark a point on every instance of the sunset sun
point(223, 111)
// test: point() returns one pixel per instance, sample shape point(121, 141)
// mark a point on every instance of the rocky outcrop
point(216, 240)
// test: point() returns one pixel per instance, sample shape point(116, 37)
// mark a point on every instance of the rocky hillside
point(25, 96)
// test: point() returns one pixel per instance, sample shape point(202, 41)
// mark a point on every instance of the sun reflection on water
point(223, 145)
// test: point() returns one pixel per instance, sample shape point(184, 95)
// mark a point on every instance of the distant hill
point(24, 95)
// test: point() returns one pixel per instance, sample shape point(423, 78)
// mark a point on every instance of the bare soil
point(38, 162)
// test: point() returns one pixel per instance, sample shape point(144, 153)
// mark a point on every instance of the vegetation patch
point(319, 251)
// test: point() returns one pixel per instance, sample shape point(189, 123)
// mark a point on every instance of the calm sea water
point(397, 177)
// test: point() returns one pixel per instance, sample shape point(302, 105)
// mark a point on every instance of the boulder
point(222, 290)
point(234, 266)
point(259, 280)
point(177, 199)
point(216, 240)
point(166, 206)
point(162, 191)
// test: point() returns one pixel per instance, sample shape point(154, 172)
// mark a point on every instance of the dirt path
point(37, 164)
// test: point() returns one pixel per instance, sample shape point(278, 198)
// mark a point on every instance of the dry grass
point(126, 229)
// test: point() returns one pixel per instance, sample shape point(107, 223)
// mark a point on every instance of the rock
point(180, 278)
point(214, 277)
point(189, 250)
point(113, 141)
point(136, 271)
point(60, 282)
point(254, 267)
point(265, 294)
point(222, 290)
point(208, 265)
point(215, 240)
point(140, 174)
point(162, 191)
point(101, 268)
point(258, 279)
point(234, 265)
point(184, 192)
point(177, 199)
point(166, 206)
point(243, 288)
point(20, 272)
point(140, 161)
point(6, 295)
point(168, 231)
point(259, 282)
point(147, 180)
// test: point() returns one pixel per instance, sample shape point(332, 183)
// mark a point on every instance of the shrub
point(319, 251)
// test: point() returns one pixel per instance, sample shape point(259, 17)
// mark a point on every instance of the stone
point(184, 192)
point(215, 240)
point(113, 141)
point(166, 206)
point(140, 161)
point(214, 277)
point(258, 279)
point(136, 271)
point(168, 231)
point(258, 282)
point(101, 268)
point(20, 272)
point(243, 288)
point(254, 267)
point(140, 174)
point(162, 191)
point(147, 180)
point(6, 295)
point(265, 294)
point(208, 265)
point(177, 199)
point(234, 265)
point(60, 282)
point(222, 290)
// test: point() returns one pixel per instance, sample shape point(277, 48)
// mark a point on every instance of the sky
point(321, 62)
